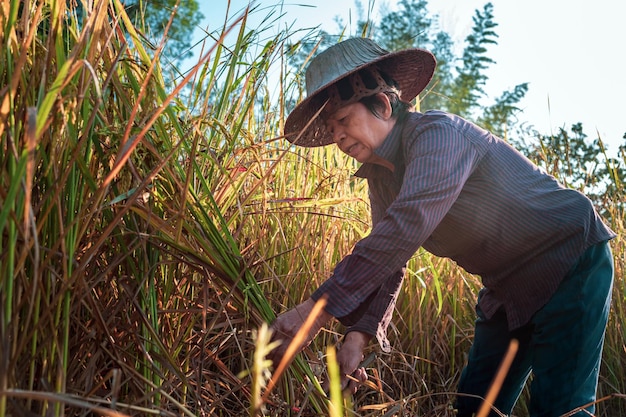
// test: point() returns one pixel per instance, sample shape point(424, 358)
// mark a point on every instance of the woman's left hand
point(349, 357)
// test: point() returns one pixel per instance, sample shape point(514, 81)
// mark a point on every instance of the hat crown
point(339, 60)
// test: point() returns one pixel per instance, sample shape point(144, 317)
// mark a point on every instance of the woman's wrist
point(358, 339)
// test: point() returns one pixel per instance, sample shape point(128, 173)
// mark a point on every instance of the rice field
point(149, 228)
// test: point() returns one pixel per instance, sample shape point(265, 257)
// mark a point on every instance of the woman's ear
point(386, 106)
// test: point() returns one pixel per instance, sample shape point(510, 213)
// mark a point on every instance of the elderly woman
point(442, 183)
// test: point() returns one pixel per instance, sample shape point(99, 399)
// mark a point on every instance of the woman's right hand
point(287, 325)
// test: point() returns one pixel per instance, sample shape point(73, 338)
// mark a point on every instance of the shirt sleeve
point(380, 308)
point(379, 313)
point(439, 159)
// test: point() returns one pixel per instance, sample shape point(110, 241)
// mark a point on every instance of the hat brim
point(412, 69)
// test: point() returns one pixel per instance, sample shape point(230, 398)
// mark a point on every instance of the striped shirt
point(462, 193)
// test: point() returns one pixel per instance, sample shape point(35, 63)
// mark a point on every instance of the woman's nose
point(337, 134)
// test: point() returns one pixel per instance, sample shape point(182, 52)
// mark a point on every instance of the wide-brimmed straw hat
point(411, 69)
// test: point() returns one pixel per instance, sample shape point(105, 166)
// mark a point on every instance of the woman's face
point(358, 132)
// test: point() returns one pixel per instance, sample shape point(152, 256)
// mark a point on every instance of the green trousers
point(561, 347)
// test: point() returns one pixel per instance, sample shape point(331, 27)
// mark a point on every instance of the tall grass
point(148, 231)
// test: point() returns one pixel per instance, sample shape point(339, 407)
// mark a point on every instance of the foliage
point(155, 17)
point(583, 165)
point(499, 117)
point(406, 28)
point(468, 88)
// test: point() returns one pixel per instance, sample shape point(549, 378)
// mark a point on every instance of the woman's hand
point(349, 356)
point(287, 325)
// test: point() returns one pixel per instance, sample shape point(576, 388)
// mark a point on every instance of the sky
point(571, 52)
